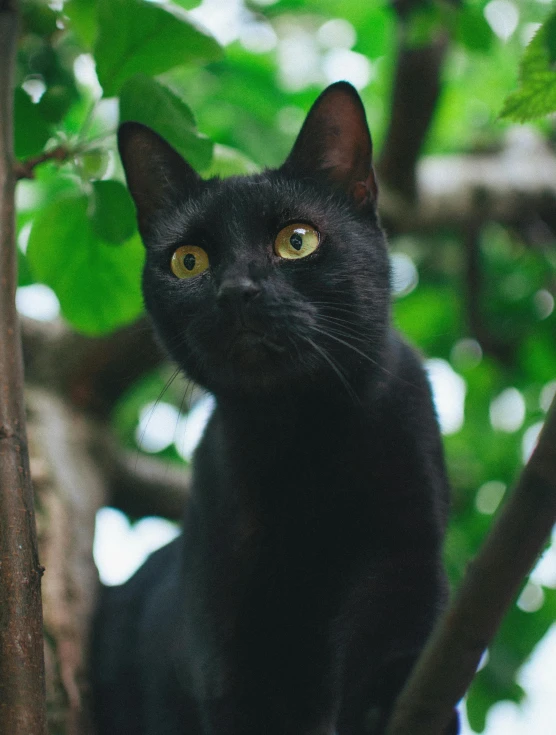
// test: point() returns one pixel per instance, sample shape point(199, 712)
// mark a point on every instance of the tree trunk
point(22, 709)
point(69, 490)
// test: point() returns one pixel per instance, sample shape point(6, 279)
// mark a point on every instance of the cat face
point(265, 282)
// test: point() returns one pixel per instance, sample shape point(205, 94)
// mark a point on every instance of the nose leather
point(237, 291)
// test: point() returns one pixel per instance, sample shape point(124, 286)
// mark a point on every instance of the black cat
point(308, 575)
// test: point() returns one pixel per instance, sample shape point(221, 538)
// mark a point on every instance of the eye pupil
point(296, 241)
point(189, 261)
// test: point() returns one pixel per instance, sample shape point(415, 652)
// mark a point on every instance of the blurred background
point(464, 151)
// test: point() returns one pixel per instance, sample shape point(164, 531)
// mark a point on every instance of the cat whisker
point(169, 382)
point(177, 340)
point(333, 334)
point(351, 392)
point(340, 309)
point(355, 341)
point(347, 327)
point(378, 365)
point(339, 312)
point(190, 386)
point(343, 307)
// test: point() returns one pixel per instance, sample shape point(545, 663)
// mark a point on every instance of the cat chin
point(251, 370)
point(255, 383)
point(248, 375)
point(249, 346)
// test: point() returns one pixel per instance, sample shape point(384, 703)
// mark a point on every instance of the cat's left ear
point(157, 176)
point(335, 144)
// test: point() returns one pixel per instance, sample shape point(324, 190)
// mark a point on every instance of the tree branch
point(91, 372)
point(140, 485)
point(503, 351)
point(416, 89)
point(69, 488)
point(451, 657)
point(26, 169)
point(22, 698)
point(509, 186)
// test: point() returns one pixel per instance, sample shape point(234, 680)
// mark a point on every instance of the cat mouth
point(250, 344)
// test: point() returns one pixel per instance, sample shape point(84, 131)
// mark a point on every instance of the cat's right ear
point(156, 174)
point(335, 144)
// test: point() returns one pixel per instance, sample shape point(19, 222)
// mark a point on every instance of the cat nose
point(238, 291)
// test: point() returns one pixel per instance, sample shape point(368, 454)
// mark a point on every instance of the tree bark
point(450, 660)
point(140, 485)
point(69, 489)
point(22, 683)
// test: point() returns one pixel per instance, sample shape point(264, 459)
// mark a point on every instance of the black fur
point(308, 575)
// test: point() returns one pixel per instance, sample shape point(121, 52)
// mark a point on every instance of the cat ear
point(335, 144)
point(156, 174)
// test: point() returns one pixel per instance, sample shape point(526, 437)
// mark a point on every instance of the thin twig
point(26, 169)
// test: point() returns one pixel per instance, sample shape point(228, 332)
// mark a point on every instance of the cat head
point(272, 281)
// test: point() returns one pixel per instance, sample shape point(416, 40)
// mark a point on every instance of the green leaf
point(424, 23)
point(230, 162)
point(519, 634)
point(94, 163)
point(83, 20)
point(113, 216)
point(137, 36)
point(550, 31)
point(31, 131)
point(24, 277)
point(482, 695)
point(375, 32)
point(473, 30)
point(55, 102)
point(537, 94)
point(187, 4)
point(38, 18)
point(428, 315)
point(98, 285)
point(145, 100)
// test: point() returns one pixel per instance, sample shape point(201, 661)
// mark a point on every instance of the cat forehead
point(243, 208)
point(252, 194)
point(242, 193)
point(247, 200)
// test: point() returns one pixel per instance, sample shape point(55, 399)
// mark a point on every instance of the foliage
point(84, 243)
point(66, 253)
point(537, 93)
point(232, 109)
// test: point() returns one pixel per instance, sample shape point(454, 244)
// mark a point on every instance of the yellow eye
point(189, 261)
point(296, 241)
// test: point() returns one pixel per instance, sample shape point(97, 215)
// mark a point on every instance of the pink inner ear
point(346, 158)
point(364, 192)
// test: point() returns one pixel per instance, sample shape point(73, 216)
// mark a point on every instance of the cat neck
point(268, 437)
point(291, 408)
point(330, 403)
